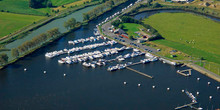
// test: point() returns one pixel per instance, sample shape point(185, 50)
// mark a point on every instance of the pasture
point(10, 22)
point(192, 34)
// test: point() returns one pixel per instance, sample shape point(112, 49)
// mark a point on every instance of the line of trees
point(40, 3)
point(101, 9)
point(36, 41)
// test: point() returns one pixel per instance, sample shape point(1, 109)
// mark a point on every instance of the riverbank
point(40, 46)
point(46, 43)
point(194, 9)
point(203, 71)
point(42, 22)
point(99, 14)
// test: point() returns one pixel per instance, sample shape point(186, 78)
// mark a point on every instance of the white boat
point(149, 55)
point(61, 61)
point(69, 62)
point(136, 50)
point(121, 59)
point(127, 56)
point(86, 64)
point(93, 65)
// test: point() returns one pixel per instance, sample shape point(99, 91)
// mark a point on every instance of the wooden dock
point(182, 72)
point(135, 63)
point(187, 105)
point(140, 72)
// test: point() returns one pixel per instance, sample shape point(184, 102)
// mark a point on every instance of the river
point(87, 88)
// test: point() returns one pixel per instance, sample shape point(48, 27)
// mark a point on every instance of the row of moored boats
point(77, 49)
point(91, 55)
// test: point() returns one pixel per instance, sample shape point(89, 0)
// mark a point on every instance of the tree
point(131, 37)
point(121, 26)
point(85, 16)
point(156, 5)
point(53, 32)
point(40, 3)
point(14, 52)
point(70, 24)
point(49, 4)
point(3, 58)
point(116, 23)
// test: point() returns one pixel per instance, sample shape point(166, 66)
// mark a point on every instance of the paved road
point(123, 40)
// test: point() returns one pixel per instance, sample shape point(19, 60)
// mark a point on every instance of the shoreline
point(204, 71)
point(52, 40)
point(38, 47)
point(193, 66)
point(44, 21)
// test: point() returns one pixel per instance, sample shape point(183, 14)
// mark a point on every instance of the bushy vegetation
point(3, 58)
point(40, 3)
point(71, 24)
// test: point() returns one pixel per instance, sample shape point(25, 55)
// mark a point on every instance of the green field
point(19, 6)
point(131, 28)
point(22, 6)
point(191, 34)
point(62, 2)
point(12, 22)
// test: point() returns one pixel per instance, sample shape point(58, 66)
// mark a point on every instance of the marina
point(80, 80)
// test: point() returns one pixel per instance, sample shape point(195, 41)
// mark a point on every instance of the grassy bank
point(195, 35)
point(131, 28)
point(12, 22)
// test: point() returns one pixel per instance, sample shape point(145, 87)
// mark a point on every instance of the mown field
point(22, 6)
point(62, 2)
point(131, 28)
point(12, 22)
point(191, 34)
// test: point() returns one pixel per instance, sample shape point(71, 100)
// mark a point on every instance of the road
point(125, 41)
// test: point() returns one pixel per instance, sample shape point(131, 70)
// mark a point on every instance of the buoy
point(198, 79)
point(209, 83)
point(182, 90)
point(210, 97)
point(125, 83)
point(200, 108)
point(64, 74)
point(168, 89)
point(139, 85)
point(197, 93)
point(25, 69)
point(153, 86)
point(218, 88)
point(45, 72)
